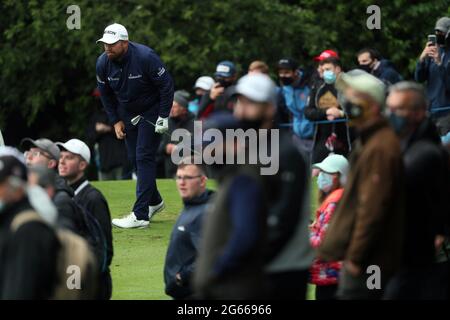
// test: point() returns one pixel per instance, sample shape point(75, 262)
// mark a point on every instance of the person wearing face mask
point(371, 61)
point(331, 181)
point(317, 76)
point(288, 254)
point(29, 250)
point(433, 67)
point(324, 104)
point(425, 263)
point(295, 91)
point(180, 118)
point(229, 263)
point(220, 97)
point(202, 86)
point(367, 227)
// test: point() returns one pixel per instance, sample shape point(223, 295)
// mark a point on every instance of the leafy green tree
point(48, 71)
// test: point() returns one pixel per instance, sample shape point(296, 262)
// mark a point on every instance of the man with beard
point(133, 81)
point(287, 252)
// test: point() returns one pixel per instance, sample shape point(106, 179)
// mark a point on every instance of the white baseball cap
point(204, 83)
point(114, 33)
point(77, 147)
point(257, 87)
point(334, 163)
point(363, 82)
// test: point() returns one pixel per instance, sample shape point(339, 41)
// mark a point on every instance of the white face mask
point(42, 203)
point(325, 182)
point(342, 180)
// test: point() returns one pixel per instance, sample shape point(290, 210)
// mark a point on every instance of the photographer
point(219, 97)
point(433, 66)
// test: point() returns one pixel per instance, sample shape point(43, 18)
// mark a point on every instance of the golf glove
point(162, 125)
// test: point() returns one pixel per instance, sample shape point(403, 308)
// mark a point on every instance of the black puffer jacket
point(322, 97)
point(69, 216)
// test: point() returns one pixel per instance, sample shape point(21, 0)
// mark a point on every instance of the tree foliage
point(48, 71)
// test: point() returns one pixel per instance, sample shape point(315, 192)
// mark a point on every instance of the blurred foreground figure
point(288, 254)
point(425, 263)
point(28, 246)
point(230, 260)
point(367, 228)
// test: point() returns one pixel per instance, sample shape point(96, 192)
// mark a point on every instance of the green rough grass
point(137, 266)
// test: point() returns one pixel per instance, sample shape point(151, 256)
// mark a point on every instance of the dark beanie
point(181, 97)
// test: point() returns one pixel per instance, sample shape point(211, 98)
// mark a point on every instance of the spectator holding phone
point(220, 97)
point(434, 66)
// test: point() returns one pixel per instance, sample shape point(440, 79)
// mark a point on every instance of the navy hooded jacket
point(183, 246)
point(387, 72)
point(437, 78)
point(138, 83)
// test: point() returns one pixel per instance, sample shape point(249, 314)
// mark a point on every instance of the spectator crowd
point(376, 146)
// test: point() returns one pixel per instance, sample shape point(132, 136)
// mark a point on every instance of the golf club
point(138, 118)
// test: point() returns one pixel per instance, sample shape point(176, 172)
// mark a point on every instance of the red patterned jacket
point(324, 273)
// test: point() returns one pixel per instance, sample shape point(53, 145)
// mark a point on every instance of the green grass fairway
point(137, 266)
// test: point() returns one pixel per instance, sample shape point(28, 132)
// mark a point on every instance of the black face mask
point(365, 67)
point(353, 111)
point(440, 39)
point(224, 83)
point(251, 124)
point(286, 81)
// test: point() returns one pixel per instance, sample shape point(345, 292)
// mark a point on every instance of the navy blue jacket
point(139, 82)
point(245, 211)
point(183, 246)
point(387, 72)
point(437, 78)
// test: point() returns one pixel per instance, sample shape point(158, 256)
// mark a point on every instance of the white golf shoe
point(129, 222)
point(152, 210)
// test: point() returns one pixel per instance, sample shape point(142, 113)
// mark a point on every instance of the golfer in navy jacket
point(133, 81)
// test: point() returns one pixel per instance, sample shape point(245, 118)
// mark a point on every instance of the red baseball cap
point(326, 54)
point(96, 93)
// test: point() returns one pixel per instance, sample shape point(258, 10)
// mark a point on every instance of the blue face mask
point(325, 182)
point(398, 123)
point(329, 76)
point(446, 139)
